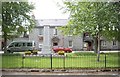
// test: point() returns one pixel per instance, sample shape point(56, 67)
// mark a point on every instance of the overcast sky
point(48, 9)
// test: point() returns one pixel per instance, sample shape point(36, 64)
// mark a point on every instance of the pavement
point(59, 74)
point(1, 52)
point(110, 72)
point(37, 74)
point(100, 51)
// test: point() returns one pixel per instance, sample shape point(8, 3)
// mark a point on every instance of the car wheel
point(9, 51)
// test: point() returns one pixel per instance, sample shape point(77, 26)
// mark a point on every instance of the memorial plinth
point(46, 41)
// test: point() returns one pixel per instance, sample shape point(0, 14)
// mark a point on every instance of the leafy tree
point(0, 13)
point(100, 19)
point(16, 19)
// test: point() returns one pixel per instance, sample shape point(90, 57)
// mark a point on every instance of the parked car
point(66, 50)
point(21, 46)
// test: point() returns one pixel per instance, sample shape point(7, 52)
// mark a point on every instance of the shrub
point(35, 52)
point(8, 54)
point(85, 54)
point(61, 52)
point(27, 52)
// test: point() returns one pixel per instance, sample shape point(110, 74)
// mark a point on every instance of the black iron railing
point(59, 61)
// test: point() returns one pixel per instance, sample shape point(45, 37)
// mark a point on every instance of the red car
point(66, 50)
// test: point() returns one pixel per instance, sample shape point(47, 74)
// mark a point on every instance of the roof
point(52, 22)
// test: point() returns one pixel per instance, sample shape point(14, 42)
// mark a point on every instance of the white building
point(58, 39)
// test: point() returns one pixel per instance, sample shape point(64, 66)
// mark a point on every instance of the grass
point(74, 60)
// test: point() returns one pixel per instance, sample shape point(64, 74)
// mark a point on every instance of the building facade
point(57, 39)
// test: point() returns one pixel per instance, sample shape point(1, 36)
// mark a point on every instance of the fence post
point(105, 60)
point(51, 60)
point(23, 61)
point(64, 62)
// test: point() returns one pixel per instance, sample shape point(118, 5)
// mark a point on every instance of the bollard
point(64, 62)
point(51, 60)
point(105, 60)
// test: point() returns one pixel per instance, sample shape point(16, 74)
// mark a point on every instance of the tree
point(0, 13)
point(16, 19)
point(100, 19)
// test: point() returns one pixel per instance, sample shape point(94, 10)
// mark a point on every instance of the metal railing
point(59, 62)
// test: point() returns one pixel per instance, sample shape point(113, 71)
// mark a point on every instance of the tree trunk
point(5, 42)
point(95, 44)
point(98, 48)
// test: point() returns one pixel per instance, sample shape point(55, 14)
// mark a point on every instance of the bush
point(27, 52)
point(35, 52)
point(8, 54)
point(61, 52)
point(85, 54)
point(81, 54)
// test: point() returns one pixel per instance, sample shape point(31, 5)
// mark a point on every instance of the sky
point(48, 9)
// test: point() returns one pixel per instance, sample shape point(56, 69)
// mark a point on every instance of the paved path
point(39, 73)
point(75, 51)
point(60, 75)
point(100, 51)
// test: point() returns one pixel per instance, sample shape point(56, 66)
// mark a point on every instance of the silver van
point(21, 46)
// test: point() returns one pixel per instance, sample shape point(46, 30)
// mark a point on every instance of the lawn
point(76, 60)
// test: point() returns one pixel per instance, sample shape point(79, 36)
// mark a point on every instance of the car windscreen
point(11, 45)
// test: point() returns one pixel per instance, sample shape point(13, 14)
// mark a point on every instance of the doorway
point(55, 44)
point(88, 46)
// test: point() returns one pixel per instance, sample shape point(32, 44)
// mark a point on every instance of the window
point(103, 43)
point(85, 44)
point(114, 43)
point(41, 31)
point(86, 34)
point(17, 44)
point(29, 44)
point(70, 43)
point(24, 44)
point(55, 31)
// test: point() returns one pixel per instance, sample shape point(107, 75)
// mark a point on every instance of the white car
point(21, 46)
